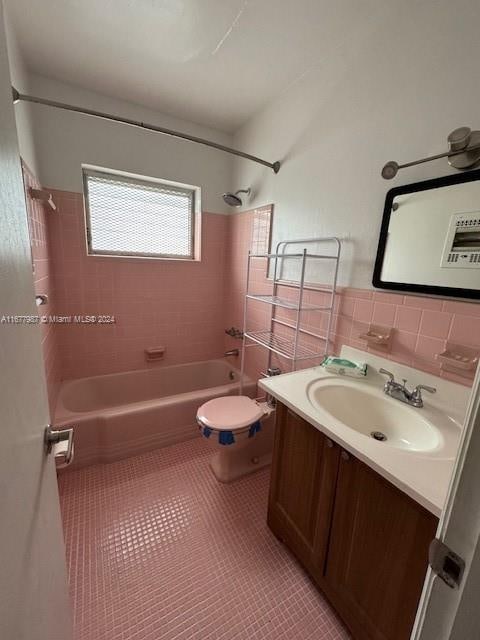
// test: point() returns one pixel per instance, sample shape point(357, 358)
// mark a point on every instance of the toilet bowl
point(234, 426)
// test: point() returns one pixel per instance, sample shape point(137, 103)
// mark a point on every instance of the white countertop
point(424, 476)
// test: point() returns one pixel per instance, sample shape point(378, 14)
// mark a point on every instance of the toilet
point(237, 428)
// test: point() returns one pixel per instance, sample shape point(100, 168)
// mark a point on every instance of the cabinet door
point(302, 485)
point(378, 553)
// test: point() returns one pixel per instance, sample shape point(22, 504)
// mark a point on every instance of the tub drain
point(378, 435)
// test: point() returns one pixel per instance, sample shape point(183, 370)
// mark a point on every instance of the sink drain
point(378, 435)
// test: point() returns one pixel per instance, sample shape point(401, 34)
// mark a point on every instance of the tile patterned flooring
point(157, 549)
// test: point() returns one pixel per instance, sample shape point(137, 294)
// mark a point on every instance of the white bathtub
point(123, 414)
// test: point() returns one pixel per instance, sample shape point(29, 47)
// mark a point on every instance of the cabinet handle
point(345, 456)
point(329, 443)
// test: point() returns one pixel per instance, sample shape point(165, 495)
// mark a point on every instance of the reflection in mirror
point(430, 238)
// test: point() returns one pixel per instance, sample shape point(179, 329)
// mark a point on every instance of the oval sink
point(369, 412)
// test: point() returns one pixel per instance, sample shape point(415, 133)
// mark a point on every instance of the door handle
point(55, 436)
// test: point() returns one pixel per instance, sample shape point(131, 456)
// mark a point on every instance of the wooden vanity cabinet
point(378, 553)
point(363, 541)
point(304, 469)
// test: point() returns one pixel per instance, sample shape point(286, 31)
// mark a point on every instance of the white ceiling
point(215, 62)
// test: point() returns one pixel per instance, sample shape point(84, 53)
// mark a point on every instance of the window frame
point(196, 215)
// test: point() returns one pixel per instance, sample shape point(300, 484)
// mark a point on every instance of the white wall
point(23, 112)
point(65, 140)
point(393, 89)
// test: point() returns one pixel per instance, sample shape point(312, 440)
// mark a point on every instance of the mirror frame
point(455, 292)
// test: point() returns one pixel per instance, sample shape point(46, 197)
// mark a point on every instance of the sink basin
point(369, 412)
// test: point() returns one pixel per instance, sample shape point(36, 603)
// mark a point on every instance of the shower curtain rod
point(22, 97)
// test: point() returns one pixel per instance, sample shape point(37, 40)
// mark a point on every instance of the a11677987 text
point(54, 319)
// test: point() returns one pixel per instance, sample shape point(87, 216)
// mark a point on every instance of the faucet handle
point(416, 396)
point(418, 389)
point(387, 373)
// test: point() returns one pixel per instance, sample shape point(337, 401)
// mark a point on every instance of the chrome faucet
point(400, 391)
point(232, 352)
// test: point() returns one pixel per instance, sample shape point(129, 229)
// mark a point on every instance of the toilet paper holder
point(56, 436)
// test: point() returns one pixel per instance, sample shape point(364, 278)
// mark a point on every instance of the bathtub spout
point(232, 352)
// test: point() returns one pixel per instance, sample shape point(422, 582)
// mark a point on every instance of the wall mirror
point(430, 238)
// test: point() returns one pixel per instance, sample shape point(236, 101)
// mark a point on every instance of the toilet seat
point(229, 413)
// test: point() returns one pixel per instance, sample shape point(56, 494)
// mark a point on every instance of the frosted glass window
point(130, 216)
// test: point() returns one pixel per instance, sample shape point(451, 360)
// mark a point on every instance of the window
point(128, 215)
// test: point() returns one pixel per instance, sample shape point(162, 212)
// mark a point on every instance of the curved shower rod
point(22, 97)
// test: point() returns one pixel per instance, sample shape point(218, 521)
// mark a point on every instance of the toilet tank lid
point(229, 412)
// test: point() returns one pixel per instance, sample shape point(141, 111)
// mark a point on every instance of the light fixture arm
point(462, 142)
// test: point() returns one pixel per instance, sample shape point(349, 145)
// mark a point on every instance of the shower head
point(233, 199)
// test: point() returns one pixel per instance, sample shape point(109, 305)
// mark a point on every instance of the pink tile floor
point(157, 549)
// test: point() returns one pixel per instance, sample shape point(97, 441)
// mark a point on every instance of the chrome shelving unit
point(291, 348)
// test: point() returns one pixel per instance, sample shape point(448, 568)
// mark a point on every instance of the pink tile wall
point(186, 306)
point(422, 326)
point(242, 235)
point(155, 302)
point(38, 223)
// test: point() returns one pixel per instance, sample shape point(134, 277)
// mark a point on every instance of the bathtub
point(119, 415)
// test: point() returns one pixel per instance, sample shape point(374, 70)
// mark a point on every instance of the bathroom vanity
point(363, 541)
point(359, 514)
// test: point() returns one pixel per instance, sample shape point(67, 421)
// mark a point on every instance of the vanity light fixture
point(464, 153)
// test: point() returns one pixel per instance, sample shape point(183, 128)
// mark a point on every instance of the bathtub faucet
point(232, 352)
